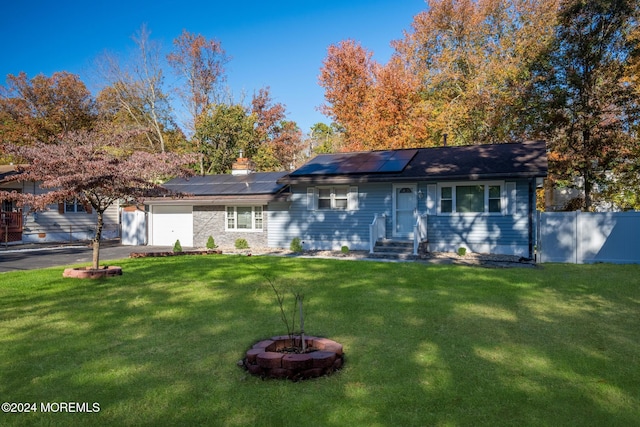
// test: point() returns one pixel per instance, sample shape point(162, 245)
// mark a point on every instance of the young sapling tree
point(297, 307)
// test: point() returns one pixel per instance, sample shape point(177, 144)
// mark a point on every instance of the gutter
point(350, 179)
point(216, 200)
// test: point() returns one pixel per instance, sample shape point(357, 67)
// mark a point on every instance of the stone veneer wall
point(209, 221)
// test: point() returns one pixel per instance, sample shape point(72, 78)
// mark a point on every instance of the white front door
point(405, 203)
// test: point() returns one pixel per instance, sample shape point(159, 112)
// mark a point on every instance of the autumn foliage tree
point(89, 166)
point(278, 141)
point(378, 105)
point(347, 76)
point(489, 71)
point(396, 108)
point(40, 108)
point(134, 99)
point(462, 70)
point(625, 190)
point(199, 63)
point(259, 131)
point(586, 101)
point(284, 151)
point(473, 58)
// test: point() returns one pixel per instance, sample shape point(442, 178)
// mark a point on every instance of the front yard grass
point(424, 344)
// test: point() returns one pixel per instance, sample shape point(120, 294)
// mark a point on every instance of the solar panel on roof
point(393, 165)
point(367, 166)
point(349, 163)
point(257, 183)
point(405, 154)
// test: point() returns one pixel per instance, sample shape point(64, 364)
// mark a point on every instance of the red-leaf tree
point(90, 167)
point(278, 140)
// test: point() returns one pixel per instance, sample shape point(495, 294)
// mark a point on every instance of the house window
point(446, 199)
point(469, 198)
point(495, 198)
point(333, 197)
point(476, 198)
point(73, 206)
point(244, 218)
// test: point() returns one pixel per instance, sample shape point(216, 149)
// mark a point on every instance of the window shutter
point(352, 199)
point(510, 188)
point(88, 208)
point(312, 199)
point(431, 202)
point(61, 207)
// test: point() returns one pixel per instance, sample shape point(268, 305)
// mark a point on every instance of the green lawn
point(425, 345)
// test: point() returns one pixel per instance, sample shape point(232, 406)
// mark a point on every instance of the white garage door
point(171, 223)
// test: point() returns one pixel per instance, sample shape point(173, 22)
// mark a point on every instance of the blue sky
point(280, 44)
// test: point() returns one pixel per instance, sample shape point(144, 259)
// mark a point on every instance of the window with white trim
point(244, 218)
point(446, 199)
point(471, 198)
point(333, 197)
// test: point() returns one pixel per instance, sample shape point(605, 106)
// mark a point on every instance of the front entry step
point(393, 249)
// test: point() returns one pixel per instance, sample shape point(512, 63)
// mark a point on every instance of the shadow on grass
point(424, 345)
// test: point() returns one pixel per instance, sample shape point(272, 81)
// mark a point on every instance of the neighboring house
point(63, 222)
point(568, 199)
point(10, 215)
point(479, 197)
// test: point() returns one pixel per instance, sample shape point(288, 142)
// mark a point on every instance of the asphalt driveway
point(31, 257)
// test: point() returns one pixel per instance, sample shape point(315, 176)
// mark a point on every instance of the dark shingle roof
point(472, 162)
point(528, 159)
point(260, 183)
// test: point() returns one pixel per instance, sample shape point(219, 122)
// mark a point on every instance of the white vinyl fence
point(134, 228)
point(585, 237)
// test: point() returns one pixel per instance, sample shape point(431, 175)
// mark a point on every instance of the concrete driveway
point(35, 256)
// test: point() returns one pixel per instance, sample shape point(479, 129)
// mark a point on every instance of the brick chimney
point(242, 166)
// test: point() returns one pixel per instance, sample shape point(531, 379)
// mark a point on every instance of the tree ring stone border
point(92, 273)
point(267, 359)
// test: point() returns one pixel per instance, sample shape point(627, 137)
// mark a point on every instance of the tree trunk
point(588, 164)
point(588, 202)
point(588, 188)
point(96, 240)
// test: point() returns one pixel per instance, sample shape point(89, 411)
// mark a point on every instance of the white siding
point(51, 226)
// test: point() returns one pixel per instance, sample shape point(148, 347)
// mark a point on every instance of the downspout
point(532, 204)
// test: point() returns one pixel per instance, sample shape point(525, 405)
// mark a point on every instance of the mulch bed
point(171, 253)
point(470, 259)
